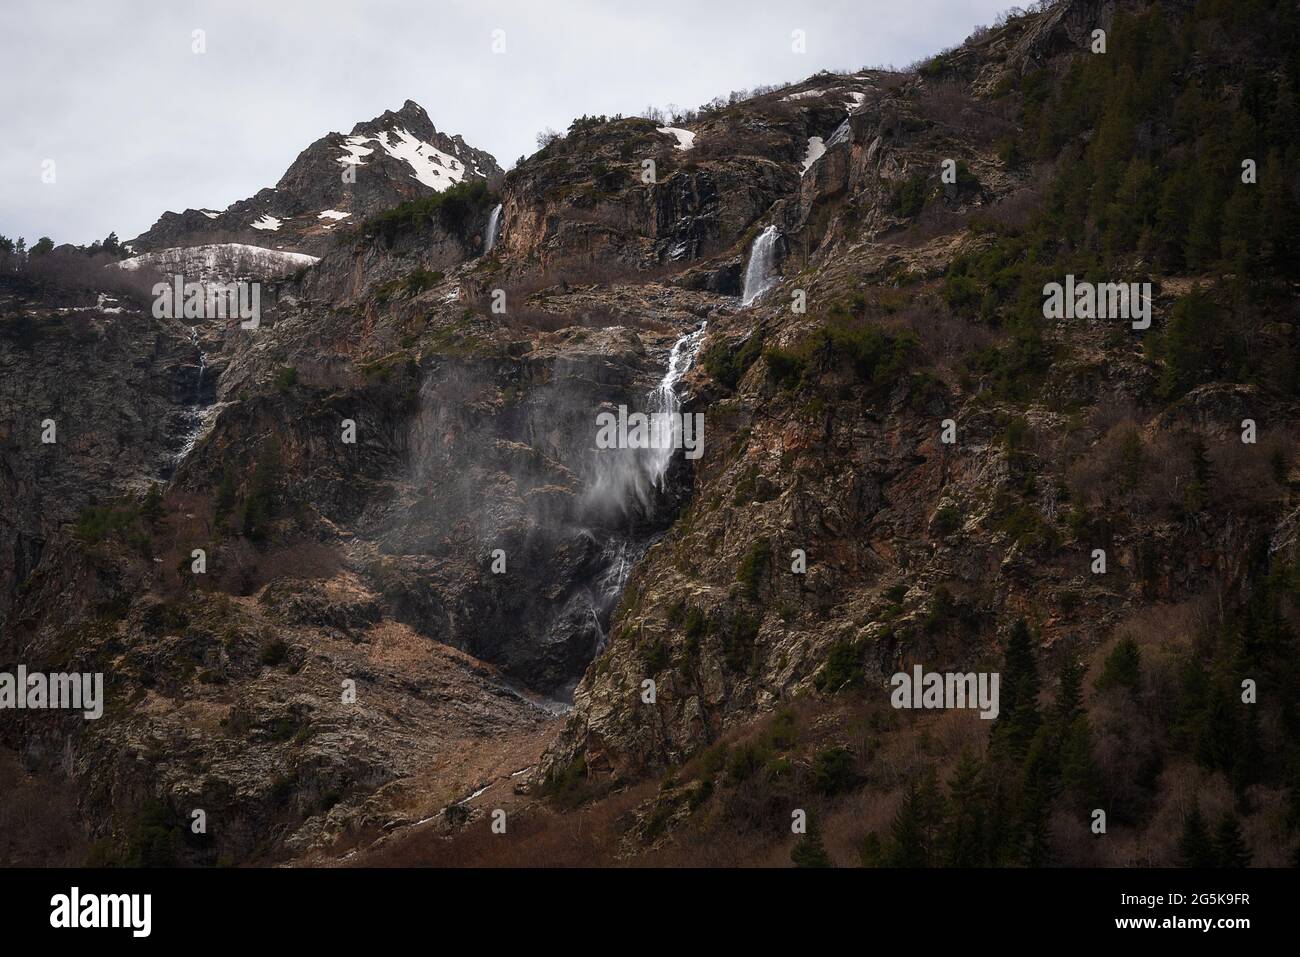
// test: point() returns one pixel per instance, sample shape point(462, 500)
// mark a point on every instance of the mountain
point(395, 157)
point(430, 593)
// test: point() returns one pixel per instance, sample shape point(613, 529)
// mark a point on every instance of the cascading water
point(617, 557)
point(760, 274)
point(630, 483)
point(203, 365)
point(627, 481)
point(493, 228)
point(665, 399)
point(199, 413)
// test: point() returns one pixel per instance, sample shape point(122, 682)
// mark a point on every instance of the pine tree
point(1079, 776)
point(1123, 668)
point(1240, 240)
point(1278, 216)
point(965, 841)
point(1188, 345)
point(809, 851)
point(916, 825)
point(1019, 672)
point(1230, 848)
point(1069, 698)
point(1217, 731)
point(1018, 717)
point(1195, 849)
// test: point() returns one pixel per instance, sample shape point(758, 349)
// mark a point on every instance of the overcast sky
point(137, 123)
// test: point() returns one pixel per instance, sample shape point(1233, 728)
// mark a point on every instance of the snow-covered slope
point(395, 157)
point(221, 262)
point(430, 165)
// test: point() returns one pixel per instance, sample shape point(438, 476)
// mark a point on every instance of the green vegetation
point(947, 520)
point(1151, 143)
point(414, 283)
point(752, 566)
point(832, 771)
point(1122, 668)
point(273, 652)
point(843, 668)
point(99, 523)
point(726, 364)
point(908, 198)
point(877, 358)
point(452, 209)
point(286, 377)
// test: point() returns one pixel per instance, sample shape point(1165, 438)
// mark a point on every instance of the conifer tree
point(1195, 849)
point(809, 851)
point(1069, 698)
point(916, 826)
point(1230, 848)
point(1122, 668)
point(965, 835)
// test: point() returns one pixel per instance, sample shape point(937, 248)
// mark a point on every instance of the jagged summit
point(396, 156)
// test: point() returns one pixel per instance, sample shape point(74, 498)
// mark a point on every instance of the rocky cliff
point(428, 593)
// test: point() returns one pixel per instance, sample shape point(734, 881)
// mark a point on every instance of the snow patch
point(430, 165)
point(220, 262)
point(816, 149)
point(354, 148)
point(685, 138)
point(267, 221)
point(333, 214)
point(805, 94)
point(209, 213)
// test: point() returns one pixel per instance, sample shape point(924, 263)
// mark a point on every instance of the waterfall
point(664, 398)
point(203, 366)
point(493, 228)
point(626, 480)
point(200, 413)
point(617, 557)
point(760, 274)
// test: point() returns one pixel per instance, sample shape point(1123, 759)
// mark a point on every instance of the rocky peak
point(335, 182)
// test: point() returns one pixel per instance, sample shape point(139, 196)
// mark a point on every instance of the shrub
point(833, 770)
point(727, 364)
point(1123, 667)
point(843, 667)
point(274, 652)
point(98, 523)
point(738, 642)
point(750, 572)
point(656, 657)
point(946, 521)
point(452, 209)
point(908, 198)
point(786, 365)
point(286, 377)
